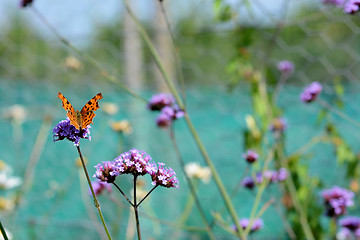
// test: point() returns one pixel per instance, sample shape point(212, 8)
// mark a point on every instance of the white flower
point(16, 113)
point(6, 180)
point(194, 170)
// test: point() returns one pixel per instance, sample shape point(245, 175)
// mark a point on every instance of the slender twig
point(147, 195)
point(339, 113)
point(194, 133)
point(136, 211)
point(3, 231)
point(96, 202)
point(86, 57)
point(127, 199)
point(191, 185)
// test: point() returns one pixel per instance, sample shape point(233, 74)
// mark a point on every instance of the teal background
point(58, 204)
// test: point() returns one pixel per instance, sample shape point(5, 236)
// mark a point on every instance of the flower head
point(250, 156)
point(278, 125)
point(159, 101)
point(351, 222)
point(352, 6)
point(286, 67)
point(244, 222)
point(135, 162)
point(122, 126)
point(281, 174)
point(65, 130)
point(248, 182)
point(194, 170)
point(99, 187)
point(25, 3)
point(336, 200)
point(311, 92)
point(163, 176)
point(106, 171)
point(7, 181)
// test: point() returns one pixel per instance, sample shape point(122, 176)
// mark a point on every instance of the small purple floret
point(159, 101)
point(106, 171)
point(250, 156)
point(65, 130)
point(244, 222)
point(286, 67)
point(311, 92)
point(99, 187)
point(352, 6)
point(336, 200)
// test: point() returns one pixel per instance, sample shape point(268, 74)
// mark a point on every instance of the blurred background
point(319, 39)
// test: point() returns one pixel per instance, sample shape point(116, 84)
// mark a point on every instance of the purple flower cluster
point(25, 3)
point(285, 67)
point(99, 187)
point(65, 130)
point(137, 163)
point(311, 92)
point(278, 125)
point(336, 200)
point(250, 156)
point(352, 6)
point(244, 222)
point(170, 111)
point(271, 175)
point(350, 226)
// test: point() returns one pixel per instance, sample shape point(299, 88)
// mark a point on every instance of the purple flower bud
point(286, 67)
point(311, 92)
point(99, 187)
point(163, 176)
point(244, 222)
point(350, 222)
point(352, 6)
point(164, 120)
point(159, 101)
point(336, 200)
point(25, 3)
point(281, 174)
point(250, 156)
point(248, 182)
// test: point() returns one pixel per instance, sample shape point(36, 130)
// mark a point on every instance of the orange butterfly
point(84, 118)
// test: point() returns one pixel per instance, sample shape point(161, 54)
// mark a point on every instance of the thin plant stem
point(96, 202)
point(147, 195)
point(191, 185)
point(86, 57)
point(2, 229)
point(339, 113)
point(259, 194)
point(196, 137)
point(264, 208)
point(279, 86)
point(127, 199)
point(136, 211)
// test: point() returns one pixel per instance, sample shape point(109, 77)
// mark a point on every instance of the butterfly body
point(81, 119)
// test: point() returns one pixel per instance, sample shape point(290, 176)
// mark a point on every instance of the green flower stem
point(136, 211)
point(339, 113)
point(3, 232)
point(196, 137)
point(127, 199)
point(86, 57)
point(147, 195)
point(96, 202)
point(259, 194)
point(191, 186)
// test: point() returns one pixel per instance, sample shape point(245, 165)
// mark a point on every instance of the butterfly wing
point(87, 112)
point(70, 110)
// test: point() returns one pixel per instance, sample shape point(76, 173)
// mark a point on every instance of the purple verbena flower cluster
point(250, 156)
point(100, 186)
point(65, 130)
point(271, 175)
point(285, 67)
point(311, 92)
point(350, 226)
point(170, 111)
point(244, 222)
point(137, 163)
point(336, 200)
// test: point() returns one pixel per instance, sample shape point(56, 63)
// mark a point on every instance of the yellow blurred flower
point(110, 108)
point(122, 126)
point(73, 64)
point(194, 170)
point(6, 204)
